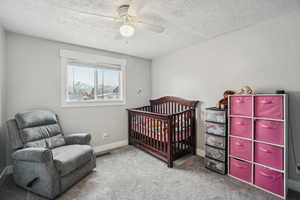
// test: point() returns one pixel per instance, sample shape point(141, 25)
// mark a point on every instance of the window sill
point(92, 104)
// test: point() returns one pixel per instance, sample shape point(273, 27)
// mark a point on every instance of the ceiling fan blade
point(135, 6)
point(118, 37)
point(150, 27)
point(111, 18)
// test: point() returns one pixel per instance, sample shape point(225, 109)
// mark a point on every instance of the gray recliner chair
point(46, 161)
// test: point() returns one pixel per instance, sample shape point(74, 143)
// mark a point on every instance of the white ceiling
point(186, 21)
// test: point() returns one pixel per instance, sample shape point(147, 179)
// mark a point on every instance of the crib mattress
point(158, 131)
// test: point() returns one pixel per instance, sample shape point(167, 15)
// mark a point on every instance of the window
point(92, 80)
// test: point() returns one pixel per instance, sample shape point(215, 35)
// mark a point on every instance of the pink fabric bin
point(268, 155)
point(241, 148)
point(269, 131)
point(269, 180)
point(240, 169)
point(269, 107)
point(241, 127)
point(241, 105)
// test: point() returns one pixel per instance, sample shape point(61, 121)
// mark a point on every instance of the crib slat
point(181, 131)
point(135, 127)
point(132, 128)
point(194, 131)
point(139, 132)
point(149, 131)
point(178, 131)
point(157, 134)
point(152, 131)
point(190, 130)
point(146, 130)
point(175, 133)
point(174, 107)
point(142, 128)
point(160, 135)
point(164, 137)
point(167, 108)
point(185, 131)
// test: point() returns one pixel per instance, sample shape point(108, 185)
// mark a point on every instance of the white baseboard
point(200, 152)
point(105, 148)
point(294, 185)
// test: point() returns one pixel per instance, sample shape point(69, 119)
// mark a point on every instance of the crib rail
point(165, 129)
point(149, 130)
point(183, 129)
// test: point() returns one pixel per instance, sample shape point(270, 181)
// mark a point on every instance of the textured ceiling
point(186, 21)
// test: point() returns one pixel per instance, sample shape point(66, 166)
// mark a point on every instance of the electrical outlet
point(139, 92)
point(105, 135)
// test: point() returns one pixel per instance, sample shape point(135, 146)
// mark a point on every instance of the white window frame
point(68, 56)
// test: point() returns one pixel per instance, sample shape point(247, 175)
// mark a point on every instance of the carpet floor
point(131, 174)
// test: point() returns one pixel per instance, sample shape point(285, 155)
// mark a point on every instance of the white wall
point(2, 64)
point(265, 56)
point(33, 81)
point(2, 107)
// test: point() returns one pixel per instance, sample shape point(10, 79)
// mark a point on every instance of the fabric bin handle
point(239, 144)
point(266, 175)
point(239, 166)
point(240, 123)
point(240, 101)
point(265, 150)
point(266, 101)
point(268, 126)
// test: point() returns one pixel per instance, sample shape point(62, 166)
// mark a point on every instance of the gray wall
point(2, 97)
point(265, 56)
point(33, 81)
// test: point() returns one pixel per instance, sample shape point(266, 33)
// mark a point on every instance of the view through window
point(86, 83)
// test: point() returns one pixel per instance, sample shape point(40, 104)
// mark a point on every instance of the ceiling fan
point(127, 19)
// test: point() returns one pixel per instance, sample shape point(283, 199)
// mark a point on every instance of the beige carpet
point(131, 174)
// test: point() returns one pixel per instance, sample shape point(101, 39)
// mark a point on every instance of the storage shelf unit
point(216, 140)
point(259, 158)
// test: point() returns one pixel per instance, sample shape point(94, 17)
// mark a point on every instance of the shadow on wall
point(200, 129)
point(294, 133)
point(3, 148)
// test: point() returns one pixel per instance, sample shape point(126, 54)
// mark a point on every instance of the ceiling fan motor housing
point(123, 10)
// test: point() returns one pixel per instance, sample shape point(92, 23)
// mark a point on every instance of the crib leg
point(170, 164)
point(194, 150)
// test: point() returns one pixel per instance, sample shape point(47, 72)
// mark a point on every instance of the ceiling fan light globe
point(127, 30)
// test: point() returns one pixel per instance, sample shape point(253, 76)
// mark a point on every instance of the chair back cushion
point(14, 135)
point(39, 128)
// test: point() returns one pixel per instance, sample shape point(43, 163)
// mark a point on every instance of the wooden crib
point(165, 129)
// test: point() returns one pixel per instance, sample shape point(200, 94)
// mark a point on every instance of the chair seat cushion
point(70, 157)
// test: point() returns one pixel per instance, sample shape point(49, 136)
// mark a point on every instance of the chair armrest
point(33, 154)
point(78, 138)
